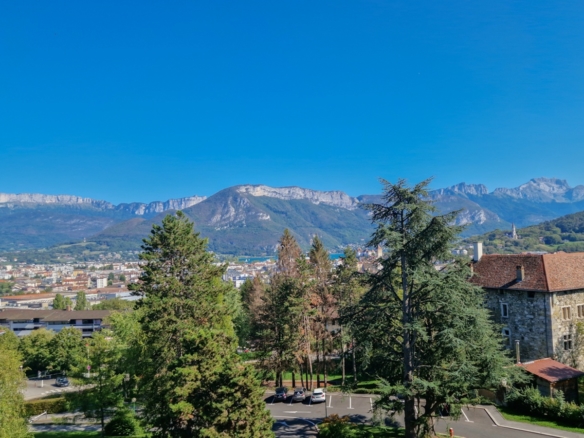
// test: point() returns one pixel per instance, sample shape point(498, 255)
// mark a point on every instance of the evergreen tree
point(427, 330)
point(322, 300)
point(193, 382)
point(104, 391)
point(59, 302)
point(348, 287)
point(81, 301)
point(288, 253)
point(13, 422)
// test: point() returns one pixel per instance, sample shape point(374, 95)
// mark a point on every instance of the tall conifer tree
point(427, 330)
point(193, 382)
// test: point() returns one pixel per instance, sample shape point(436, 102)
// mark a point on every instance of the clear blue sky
point(142, 101)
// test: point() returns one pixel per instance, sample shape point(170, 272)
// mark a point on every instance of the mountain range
point(249, 219)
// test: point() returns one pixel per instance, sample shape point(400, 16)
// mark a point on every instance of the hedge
point(50, 406)
point(529, 401)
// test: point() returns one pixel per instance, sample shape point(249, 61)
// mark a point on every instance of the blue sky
point(142, 101)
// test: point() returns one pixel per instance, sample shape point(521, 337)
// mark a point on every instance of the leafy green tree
point(5, 288)
point(81, 301)
point(122, 277)
point(428, 332)
point(111, 276)
point(114, 304)
point(13, 422)
point(59, 302)
point(193, 382)
point(104, 390)
point(67, 350)
point(68, 303)
point(35, 349)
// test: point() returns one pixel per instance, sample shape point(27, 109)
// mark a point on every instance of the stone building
point(539, 301)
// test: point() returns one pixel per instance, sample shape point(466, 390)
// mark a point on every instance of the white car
point(318, 396)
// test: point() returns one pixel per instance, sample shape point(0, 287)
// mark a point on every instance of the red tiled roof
point(551, 370)
point(545, 273)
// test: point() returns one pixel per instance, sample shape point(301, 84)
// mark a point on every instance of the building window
point(580, 310)
point(567, 342)
point(530, 294)
point(504, 310)
point(506, 336)
point(566, 313)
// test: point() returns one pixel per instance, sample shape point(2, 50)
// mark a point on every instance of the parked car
point(62, 381)
point(299, 394)
point(281, 394)
point(318, 395)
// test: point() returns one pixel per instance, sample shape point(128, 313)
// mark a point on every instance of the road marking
point(330, 401)
point(350, 403)
point(462, 410)
point(297, 412)
point(273, 398)
point(371, 401)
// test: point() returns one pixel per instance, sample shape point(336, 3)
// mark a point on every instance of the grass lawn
point(511, 416)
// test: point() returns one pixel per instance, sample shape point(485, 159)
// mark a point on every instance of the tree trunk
point(293, 379)
point(343, 350)
point(318, 365)
point(310, 366)
point(302, 376)
point(324, 361)
point(408, 356)
point(354, 361)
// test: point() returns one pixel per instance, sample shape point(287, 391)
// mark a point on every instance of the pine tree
point(322, 300)
point(427, 330)
point(288, 253)
point(193, 382)
point(348, 287)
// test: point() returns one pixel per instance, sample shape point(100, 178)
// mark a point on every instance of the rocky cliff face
point(10, 200)
point(463, 189)
point(333, 198)
point(544, 190)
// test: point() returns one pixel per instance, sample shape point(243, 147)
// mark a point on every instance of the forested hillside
point(562, 234)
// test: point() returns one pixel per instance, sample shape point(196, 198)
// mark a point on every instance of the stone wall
point(562, 326)
point(528, 320)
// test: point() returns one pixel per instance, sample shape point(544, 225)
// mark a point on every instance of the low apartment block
point(23, 321)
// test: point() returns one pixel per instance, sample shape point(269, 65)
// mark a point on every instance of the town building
point(538, 299)
point(23, 321)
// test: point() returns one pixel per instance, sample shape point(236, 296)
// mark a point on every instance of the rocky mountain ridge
point(251, 217)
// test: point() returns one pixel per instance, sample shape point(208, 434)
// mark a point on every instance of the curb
point(515, 428)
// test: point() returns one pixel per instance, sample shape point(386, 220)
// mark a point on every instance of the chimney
point(518, 356)
point(520, 273)
point(68, 308)
point(478, 252)
point(379, 251)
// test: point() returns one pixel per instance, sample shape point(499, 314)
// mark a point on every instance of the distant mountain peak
point(539, 190)
point(463, 189)
point(334, 198)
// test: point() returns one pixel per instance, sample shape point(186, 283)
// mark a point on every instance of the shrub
point(530, 402)
point(335, 426)
point(124, 423)
point(50, 406)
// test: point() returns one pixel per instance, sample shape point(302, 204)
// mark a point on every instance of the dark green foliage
point(426, 331)
point(123, 423)
point(529, 401)
point(193, 383)
point(59, 302)
point(48, 405)
point(36, 351)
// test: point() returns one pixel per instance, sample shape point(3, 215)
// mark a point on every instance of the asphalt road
point(300, 419)
point(42, 388)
